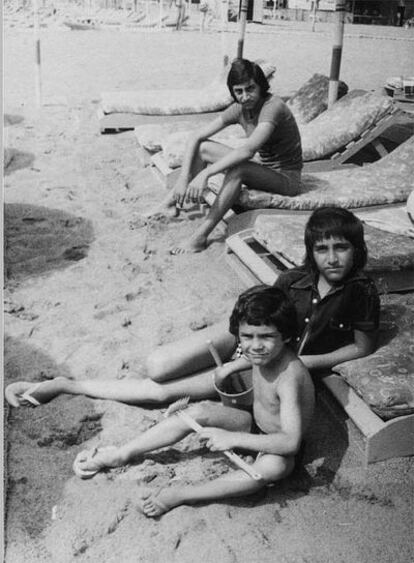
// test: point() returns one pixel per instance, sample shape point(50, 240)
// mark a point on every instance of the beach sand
point(91, 290)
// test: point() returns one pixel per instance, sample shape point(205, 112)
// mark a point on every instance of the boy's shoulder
point(292, 276)
point(293, 371)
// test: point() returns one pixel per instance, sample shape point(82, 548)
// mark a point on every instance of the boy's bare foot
point(155, 502)
point(29, 394)
point(89, 462)
point(169, 212)
point(194, 245)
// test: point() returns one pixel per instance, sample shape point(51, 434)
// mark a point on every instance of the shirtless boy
point(264, 322)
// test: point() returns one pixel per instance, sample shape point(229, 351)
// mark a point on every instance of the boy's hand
point(218, 439)
point(196, 188)
point(180, 190)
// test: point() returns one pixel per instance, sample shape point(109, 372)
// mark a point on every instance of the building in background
point(374, 12)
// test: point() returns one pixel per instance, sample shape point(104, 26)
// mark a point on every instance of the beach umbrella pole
point(336, 52)
point(224, 12)
point(242, 28)
point(36, 32)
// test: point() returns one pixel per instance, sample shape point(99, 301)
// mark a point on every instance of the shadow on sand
point(41, 442)
point(38, 239)
point(16, 160)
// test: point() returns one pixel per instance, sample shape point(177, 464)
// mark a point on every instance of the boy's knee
point(275, 467)
point(156, 365)
point(201, 412)
point(204, 151)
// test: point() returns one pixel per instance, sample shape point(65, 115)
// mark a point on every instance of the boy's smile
point(334, 258)
point(260, 344)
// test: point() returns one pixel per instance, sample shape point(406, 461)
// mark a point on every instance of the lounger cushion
point(344, 122)
point(389, 180)
point(214, 97)
point(312, 98)
point(283, 235)
point(385, 379)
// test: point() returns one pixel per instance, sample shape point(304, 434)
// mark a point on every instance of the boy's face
point(334, 258)
point(247, 94)
point(260, 344)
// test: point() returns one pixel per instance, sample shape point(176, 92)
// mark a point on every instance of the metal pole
point(336, 52)
point(161, 14)
point(36, 32)
point(242, 24)
point(224, 7)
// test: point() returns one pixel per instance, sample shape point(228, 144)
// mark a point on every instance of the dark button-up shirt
point(326, 324)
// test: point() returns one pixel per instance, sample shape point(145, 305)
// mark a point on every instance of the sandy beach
point(91, 289)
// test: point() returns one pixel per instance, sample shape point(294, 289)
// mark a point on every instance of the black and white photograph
point(208, 281)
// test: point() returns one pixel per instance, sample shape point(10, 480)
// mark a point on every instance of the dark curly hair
point(264, 305)
point(327, 222)
point(241, 71)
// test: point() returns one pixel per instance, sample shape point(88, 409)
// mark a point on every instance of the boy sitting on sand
point(337, 309)
point(264, 321)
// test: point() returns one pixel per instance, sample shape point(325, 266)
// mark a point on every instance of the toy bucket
point(237, 390)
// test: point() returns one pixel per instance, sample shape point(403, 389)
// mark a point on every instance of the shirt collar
point(308, 280)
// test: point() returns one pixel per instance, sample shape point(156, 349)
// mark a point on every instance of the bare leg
point(169, 431)
point(190, 354)
point(169, 368)
point(249, 173)
point(272, 467)
point(209, 152)
point(131, 391)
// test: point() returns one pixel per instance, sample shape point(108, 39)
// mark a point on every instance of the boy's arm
point(364, 344)
point(285, 442)
point(234, 366)
point(193, 143)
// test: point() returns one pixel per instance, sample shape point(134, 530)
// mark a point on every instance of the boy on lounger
point(270, 158)
point(337, 308)
point(264, 322)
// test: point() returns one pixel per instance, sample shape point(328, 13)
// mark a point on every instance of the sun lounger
point(377, 392)
point(386, 181)
point(119, 110)
point(275, 243)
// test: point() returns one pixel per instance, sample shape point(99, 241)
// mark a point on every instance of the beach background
point(91, 289)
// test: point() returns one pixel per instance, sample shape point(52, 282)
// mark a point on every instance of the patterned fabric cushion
point(283, 234)
point(214, 97)
point(385, 379)
point(312, 98)
point(389, 180)
point(345, 121)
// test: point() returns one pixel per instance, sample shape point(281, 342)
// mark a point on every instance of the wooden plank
point(238, 244)
point(394, 439)
point(370, 134)
point(168, 176)
point(357, 410)
point(246, 276)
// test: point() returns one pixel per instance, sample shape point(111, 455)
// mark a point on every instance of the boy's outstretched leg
point(130, 391)
point(154, 502)
point(165, 433)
